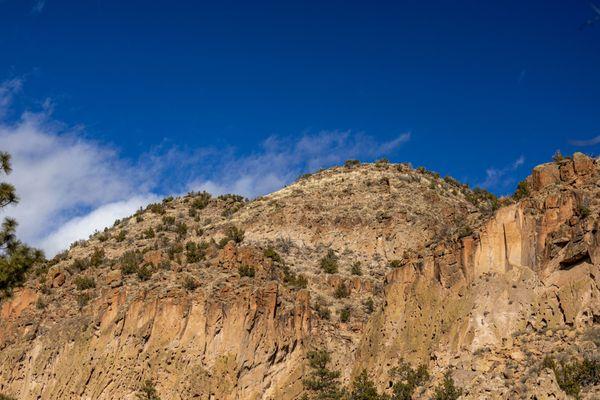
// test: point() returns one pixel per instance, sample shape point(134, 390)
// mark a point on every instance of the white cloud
point(59, 175)
point(500, 178)
point(81, 227)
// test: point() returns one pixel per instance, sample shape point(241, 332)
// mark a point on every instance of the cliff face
point(487, 294)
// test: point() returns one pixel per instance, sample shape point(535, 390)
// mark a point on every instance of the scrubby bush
point(341, 291)
point(156, 208)
point(557, 157)
point(292, 279)
point(201, 200)
point(80, 264)
point(351, 163)
point(121, 236)
point(148, 391)
point(190, 283)
point(130, 261)
point(84, 282)
point(236, 234)
point(522, 191)
point(575, 375)
point(407, 380)
point(363, 388)
point(269, 252)
point(247, 270)
point(195, 252)
point(369, 306)
point(97, 257)
point(149, 233)
point(394, 263)
point(5, 397)
point(345, 314)
point(83, 299)
point(355, 268)
point(223, 242)
point(583, 211)
point(144, 272)
point(329, 263)
point(181, 229)
point(447, 390)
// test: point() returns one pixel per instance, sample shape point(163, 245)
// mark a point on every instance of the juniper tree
point(15, 257)
point(322, 383)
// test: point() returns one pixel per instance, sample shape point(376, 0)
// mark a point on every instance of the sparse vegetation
point(201, 200)
point(269, 252)
point(341, 291)
point(156, 208)
point(407, 380)
point(149, 233)
point(83, 299)
point(190, 283)
point(97, 257)
point(148, 391)
point(80, 264)
point(557, 157)
point(121, 236)
point(574, 375)
point(369, 306)
point(329, 263)
point(447, 390)
point(292, 279)
point(130, 261)
point(234, 233)
point(381, 162)
point(195, 252)
point(144, 272)
point(583, 211)
point(345, 314)
point(522, 191)
point(247, 270)
point(355, 268)
point(394, 263)
point(322, 382)
point(322, 310)
point(351, 163)
point(84, 282)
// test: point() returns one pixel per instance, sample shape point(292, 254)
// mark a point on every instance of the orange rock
point(583, 164)
point(544, 175)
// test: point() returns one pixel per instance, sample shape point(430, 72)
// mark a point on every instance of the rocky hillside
point(222, 298)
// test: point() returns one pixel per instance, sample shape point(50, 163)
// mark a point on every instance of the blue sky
point(220, 95)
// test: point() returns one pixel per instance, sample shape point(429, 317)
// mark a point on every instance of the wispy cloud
point(38, 6)
point(587, 142)
point(501, 178)
point(8, 90)
point(279, 161)
point(70, 185)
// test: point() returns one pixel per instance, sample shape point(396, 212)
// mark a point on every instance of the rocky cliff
point(426, 270)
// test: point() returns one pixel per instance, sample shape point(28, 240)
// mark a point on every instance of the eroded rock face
point(529, 268)
point(226, 320)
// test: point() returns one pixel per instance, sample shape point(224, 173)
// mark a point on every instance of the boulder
point(544, 175)
point(582, 163)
